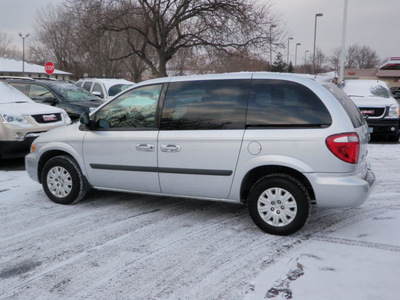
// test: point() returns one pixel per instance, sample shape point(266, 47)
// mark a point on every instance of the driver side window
point(134, 109)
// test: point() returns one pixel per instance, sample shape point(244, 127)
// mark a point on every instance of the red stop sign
point(49, 67)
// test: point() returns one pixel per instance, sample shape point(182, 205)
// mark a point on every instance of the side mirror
point(98, 94)
point(50, 100)
point(85, 119)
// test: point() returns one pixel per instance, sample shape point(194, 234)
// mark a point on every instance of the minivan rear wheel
point(62, 180)
point(279, 204)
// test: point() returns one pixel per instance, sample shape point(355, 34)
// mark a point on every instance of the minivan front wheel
point(279, 204)
point(62, 180)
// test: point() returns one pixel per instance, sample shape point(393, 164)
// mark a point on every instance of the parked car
point(22, 120)
point(104, 88)
point(375, 102)
point(395, 92)
point(277, 142)
point(74, 100)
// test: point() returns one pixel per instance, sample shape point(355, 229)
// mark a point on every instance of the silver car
point(277, 142)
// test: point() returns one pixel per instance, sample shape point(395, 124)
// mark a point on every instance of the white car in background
point(376, 103)
point(104, 88)
point(22, 120)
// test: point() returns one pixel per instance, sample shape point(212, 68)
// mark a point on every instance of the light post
point(295, 55)
point(287, 61)
point(315, 37)
point(23, 52)
point(270, 43)
point(305, 57)
point(341, 71)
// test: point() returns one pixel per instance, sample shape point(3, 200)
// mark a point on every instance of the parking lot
point(125, 246)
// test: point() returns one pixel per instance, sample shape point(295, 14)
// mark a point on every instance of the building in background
point(12, 67)
point(388, 71)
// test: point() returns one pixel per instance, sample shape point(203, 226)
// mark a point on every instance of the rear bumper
point(341, 190)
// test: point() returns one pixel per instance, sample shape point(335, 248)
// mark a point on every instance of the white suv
point(22, 120)
point(277, 142)
point(104, 88)
point(376, 103)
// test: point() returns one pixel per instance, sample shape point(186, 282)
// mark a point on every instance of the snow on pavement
point(125, 246)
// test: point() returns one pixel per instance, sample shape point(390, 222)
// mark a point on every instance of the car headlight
point(13, 119)
point(393, 111)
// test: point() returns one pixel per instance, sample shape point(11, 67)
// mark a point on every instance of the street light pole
point(341, 71)
point(270, 44)
point(305, 57)
point(295, 56)
point(23, 52)
point(315, 37)
point(287, 61)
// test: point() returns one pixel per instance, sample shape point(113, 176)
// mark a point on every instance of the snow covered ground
point(124, 246)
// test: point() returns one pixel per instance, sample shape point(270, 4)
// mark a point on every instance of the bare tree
point(367, 58)
point(54, 39)
point(320, 62)
point(360, 57)
point(6, 48)
point(240, 60)
point(167, 26)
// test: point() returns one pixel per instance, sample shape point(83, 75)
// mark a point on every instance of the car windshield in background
point(72, 93)
point(116, 89)
point(380, 91)
point(366, 90)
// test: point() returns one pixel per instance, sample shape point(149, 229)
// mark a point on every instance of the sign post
point(49, 67)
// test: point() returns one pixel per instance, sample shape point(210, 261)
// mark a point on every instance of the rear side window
point(281, 103)
point(352, 110)
point(208, 104)
point(87, 85)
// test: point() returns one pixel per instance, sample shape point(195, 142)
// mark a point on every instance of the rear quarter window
point(352, 110)
point(281, 103)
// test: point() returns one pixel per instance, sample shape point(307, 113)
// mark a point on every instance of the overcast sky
point(375, 23)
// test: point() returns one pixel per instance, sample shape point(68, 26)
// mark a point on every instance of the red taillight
point(345, 146)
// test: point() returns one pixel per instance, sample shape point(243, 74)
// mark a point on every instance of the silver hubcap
point(277, 207)
point(59, 182)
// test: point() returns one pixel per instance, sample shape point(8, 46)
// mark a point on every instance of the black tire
point(62, 180)
point(279, 204)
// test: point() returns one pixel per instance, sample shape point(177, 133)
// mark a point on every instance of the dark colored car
point(395, 92)
point(73, 99)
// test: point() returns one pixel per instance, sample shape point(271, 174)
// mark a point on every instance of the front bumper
point(31, 166)
point(384, 126)
point(341, 190)
point(15, 149)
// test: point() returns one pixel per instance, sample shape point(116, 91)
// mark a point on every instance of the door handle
point(170, 148)
point(145, 147)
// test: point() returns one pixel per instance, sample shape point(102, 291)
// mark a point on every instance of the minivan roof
point(237, 75)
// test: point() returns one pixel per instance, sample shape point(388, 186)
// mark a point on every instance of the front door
point(121, 152)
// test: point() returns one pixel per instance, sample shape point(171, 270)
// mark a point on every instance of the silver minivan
point(279, 143)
